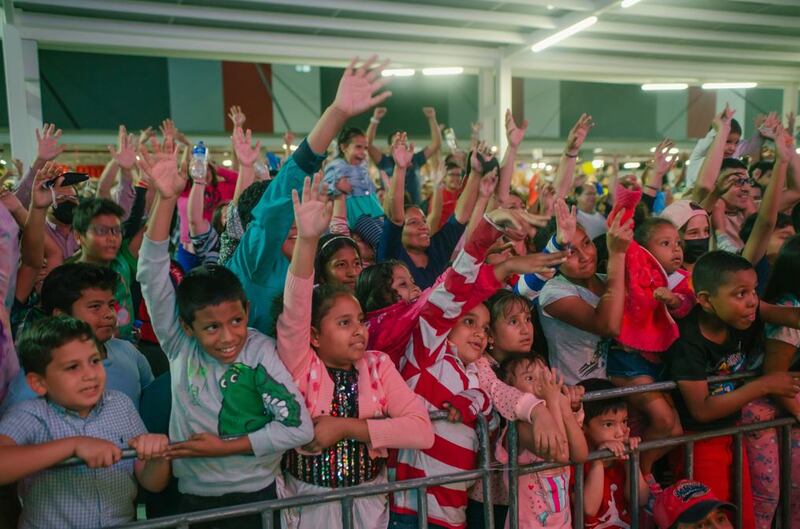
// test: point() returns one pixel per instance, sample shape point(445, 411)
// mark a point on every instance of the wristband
point(654, 188)
point(374, 120)
point(568, 155)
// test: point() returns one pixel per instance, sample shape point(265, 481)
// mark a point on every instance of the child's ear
point(37, 383)
point(187, 329)
point(314, 338)
point(704, 299)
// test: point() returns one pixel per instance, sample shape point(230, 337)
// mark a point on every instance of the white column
point(494, 96)
point(790, 94)
point(21, 64)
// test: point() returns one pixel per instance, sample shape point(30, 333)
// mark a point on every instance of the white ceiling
point(656, 40)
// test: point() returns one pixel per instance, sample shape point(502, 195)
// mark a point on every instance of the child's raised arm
point(713, 160)
point(312, 216)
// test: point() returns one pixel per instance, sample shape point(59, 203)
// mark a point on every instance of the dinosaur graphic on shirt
point(251, 399)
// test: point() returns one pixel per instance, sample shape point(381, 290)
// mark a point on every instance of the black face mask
point(693, 249)
point(63, 212)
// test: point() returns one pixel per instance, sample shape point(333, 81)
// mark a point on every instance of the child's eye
point(211, 328)
point(344, 323)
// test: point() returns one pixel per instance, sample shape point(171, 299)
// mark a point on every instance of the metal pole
point(737, 477)
point(268, 86)
point(786, 476)
point(422, 507)
point(347, 512)
point(578, 513)
point(633, 483)
point(267, 519)
point(513, 475)
point(688, 460)
point(483, 440)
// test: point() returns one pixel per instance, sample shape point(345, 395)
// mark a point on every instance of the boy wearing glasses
point(97, 223)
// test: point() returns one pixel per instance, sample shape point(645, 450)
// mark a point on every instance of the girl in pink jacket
point(360, 404)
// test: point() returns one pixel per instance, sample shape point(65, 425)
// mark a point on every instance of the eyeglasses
point(744, 180)
point(105, 231)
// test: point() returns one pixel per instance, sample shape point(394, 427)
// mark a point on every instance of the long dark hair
point(783, 279)
point(346, 136)
point(374, 286)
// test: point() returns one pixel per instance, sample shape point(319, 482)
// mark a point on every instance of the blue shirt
point(76, 496)
point(439, 252)
point(357, 175)
point(386, 163)
point(127, 371)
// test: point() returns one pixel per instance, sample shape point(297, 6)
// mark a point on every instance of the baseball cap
point(685, 502)
point(680, 211)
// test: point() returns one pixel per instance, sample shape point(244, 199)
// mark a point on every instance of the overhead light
point(548, 167)
point(494, 149)
point(628, 3)
point(398, 72)
point(727, 86)
point(446, 70)
point(598, 150)
point(687, 162)
point(652, 87)
point(631, 165)
point(227, 163)
point(597, 163)
point(652, 149)
point(550, 7)
point(563, 34)
point(674, 150)
point(302, 68)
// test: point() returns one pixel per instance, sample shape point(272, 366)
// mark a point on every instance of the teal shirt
point(258, 260)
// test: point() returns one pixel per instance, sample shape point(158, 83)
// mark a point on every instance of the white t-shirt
point(593, 223)
point(577, 354)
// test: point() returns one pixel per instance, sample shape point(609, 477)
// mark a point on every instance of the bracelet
point(201, 181)
point(654, 188)
point(568, 155)
point(374, 120)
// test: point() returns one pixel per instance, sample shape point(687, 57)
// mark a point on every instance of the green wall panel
point(620, 111)
point(101, 91)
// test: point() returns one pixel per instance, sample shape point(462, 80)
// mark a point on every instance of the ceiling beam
point(702, 35)
point(679, 50)
point(667, 12)
point(400, 9)
point(175, 40)
point(514, 51)
point(310, 23)
point(572, 5)
point(787, 3)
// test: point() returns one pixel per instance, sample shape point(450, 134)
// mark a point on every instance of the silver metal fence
point(485, 469)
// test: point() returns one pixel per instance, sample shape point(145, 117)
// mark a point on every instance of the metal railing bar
point(422, 507)
point(738, 476)
point(486, 469)
point(688, 460)
point(347, 512)
point(267, 519)
point(633, 491)
point(513, 484)
point(578, 497)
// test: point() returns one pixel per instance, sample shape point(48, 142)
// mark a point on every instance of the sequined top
point(346, 463)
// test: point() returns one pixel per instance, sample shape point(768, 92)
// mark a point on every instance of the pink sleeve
point(509, 402)
point(294, 325)
point(408, 425)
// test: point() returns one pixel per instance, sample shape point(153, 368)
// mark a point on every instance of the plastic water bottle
point(199, 162)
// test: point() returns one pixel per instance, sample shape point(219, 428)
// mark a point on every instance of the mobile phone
point(70, 179)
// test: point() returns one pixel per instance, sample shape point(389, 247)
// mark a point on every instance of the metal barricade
point(346, 496)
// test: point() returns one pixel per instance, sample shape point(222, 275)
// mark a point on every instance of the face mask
point(693, 249)
point(63, 212)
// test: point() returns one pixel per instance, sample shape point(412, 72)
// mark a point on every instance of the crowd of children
point(254, 337)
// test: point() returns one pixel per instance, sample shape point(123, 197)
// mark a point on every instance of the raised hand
point(480, 155)
point(97, 453)
point(724, 183)
point(770, 126)
point(359, 85)
point(313, 215)
point(402, 152)
point(150, 445)
point(663, 162)
point(160, 170)
point(790, 123)
point(438, 173)
point(236, 116)
point(514, 133)
point(619, 235)
point(722, 121)
point(488, 183)
point(126, 143)
point(242, 143)
point(44, 192)
point(168, 131)
point(784, 144)
point(145, 135)
point(577, 135)
point(47, 142)
point(517, 224)
point(566, 222)
point(379, 112)
point(429, 112)
point(288, 139)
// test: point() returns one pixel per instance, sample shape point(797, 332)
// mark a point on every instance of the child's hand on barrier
point(150, 445)
point(780, 383)
point(575, 396)
point(616, 447)
point(97, 453)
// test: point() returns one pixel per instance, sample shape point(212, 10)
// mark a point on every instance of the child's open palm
point(313, 215)
point(402, 152)
point(514, 133)
point(566, 221)
point(242, 142)
point(161, 170)
point(358, 86)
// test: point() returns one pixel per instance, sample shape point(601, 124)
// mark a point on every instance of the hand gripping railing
point(485, 469)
